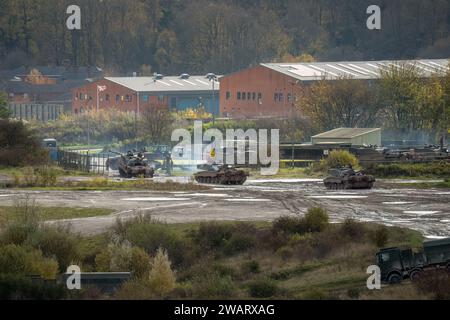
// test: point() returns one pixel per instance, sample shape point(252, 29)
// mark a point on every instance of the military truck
point(398, 264)
point(347, 178)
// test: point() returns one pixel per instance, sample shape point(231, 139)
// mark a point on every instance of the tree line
point(199, 36)
point(402, 100)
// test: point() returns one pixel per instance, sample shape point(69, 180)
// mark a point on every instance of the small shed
point(354, 137)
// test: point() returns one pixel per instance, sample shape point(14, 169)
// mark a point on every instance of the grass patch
point(55, 213)
point(439, 170)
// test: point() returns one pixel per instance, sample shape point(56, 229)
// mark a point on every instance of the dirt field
point(426, 210)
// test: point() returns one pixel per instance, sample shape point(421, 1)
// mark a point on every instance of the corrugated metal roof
point(346, 133)
point(364, 70)
point(166, 84)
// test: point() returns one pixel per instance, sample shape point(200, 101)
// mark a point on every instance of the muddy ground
point(426, 210)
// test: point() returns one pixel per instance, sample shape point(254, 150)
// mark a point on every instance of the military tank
point(131, 165)
point(221, 174)
point(347, 178)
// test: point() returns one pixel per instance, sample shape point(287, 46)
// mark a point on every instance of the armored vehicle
point(221, 174)
point(347, 178)
point(131, 165)
point(397, 264)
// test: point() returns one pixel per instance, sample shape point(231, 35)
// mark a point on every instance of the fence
point(40, 112)
point(84, 162)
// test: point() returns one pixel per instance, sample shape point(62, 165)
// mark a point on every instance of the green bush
point(316, 220)
point(251, 266)
point(119, 258)
point(213, 286)
point(338, 158)
point(352, 229)
point(151, 236)
point(213, 235)
point(56, 242)
point(289, 225)
point(239, 242)
point(19, 260)
point(265, 288)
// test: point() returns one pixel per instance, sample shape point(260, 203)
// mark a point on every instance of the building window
point(239, 96)
point(275, 97)
point(280, 97)
point(160, 99)
point(228, 95)
point(254, 96)
point(145, 98)
point(244, 96)
point(127, 98)
point(86, 97)
point(107, 97)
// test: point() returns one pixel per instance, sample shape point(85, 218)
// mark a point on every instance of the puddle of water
point(397, 202)
point(212, 195)
point(283, 180)
point(431, 237)
point(5, 195)
point(421, 212)
point(338, 197)
point(445, 221)
point(248, 200)
point(156, 199)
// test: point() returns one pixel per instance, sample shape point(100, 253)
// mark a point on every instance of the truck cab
point(397, 264)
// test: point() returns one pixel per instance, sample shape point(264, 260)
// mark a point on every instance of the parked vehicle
point(397, 264)
point(52, 146)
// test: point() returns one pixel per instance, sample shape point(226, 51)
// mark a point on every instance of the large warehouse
point(270, 89)
point(354, 137)
point(138, 93)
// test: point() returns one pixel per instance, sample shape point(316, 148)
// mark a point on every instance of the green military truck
point(397, 264)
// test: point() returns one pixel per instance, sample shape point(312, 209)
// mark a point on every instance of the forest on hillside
point(199, 36)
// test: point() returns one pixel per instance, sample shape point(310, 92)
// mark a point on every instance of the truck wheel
point(394, 278)
point(415, 275)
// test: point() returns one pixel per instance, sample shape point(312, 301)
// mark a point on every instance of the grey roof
point(346, 133)
point(166, 84)
point(364, 70)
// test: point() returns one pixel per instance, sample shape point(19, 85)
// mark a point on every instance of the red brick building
point(135, 94)
point(270, 90)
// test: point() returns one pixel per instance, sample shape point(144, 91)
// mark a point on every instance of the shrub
point(285, 253)
point(135, 289)
point(316, 220)
point(55, 242)
point(380, 236)
point(251, 266)
point(265, 288)
point(18, 260)
point(213, 235)
point(213, 286)
point(239, 242)
point(161, 278)
point(338, 158)
point(151, 235)
point(289, 225)
point(352, 229)
point(19, 146)
point(123, 258)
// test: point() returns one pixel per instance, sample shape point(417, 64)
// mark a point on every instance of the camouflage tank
point(221, 174)
point(131, 166)
point(347, 178)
